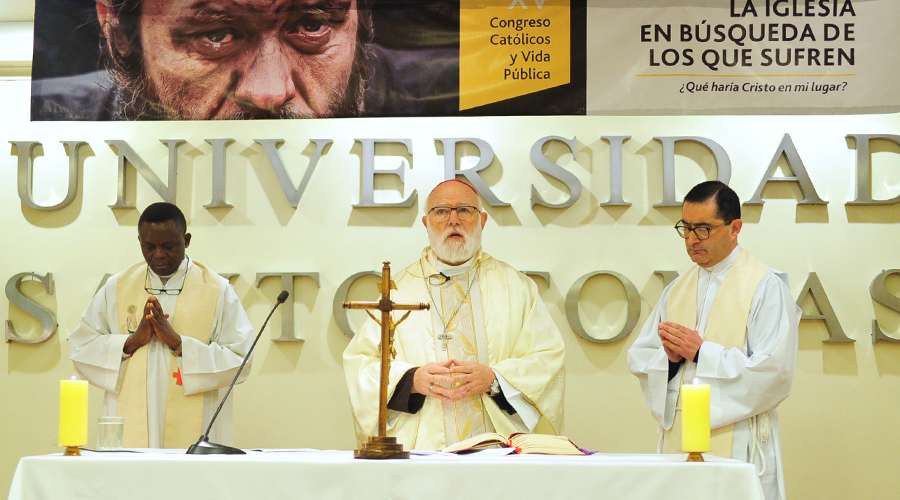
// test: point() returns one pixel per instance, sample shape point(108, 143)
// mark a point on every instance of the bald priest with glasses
point(728, 321)
point(486, 357)
point(162, 337)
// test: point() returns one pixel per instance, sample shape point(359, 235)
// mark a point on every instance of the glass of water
point(110, 430)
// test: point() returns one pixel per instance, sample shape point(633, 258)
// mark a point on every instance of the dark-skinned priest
point(161, 339)
point(730, 322)
point(486, 357)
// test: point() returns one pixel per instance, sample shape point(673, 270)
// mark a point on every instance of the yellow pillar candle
point(695, 417)
point(73, 412)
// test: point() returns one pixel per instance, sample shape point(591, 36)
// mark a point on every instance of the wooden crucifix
point(383, 446)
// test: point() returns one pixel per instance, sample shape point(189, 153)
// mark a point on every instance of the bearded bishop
point(486, 357)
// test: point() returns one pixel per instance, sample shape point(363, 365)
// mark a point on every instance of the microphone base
point(204, 447)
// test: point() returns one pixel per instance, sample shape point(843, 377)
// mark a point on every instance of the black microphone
point(205, 447)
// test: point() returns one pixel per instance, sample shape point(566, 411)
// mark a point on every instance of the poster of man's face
point(246, 59)
point(235, 59)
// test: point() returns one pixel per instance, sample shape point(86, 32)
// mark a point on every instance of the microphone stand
point(204, 446)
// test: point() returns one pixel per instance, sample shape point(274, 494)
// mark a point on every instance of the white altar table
point(326, 475)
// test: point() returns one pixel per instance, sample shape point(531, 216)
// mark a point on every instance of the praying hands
point(154, 323)
point(453, 380)
point(679, 342)
point(161, 326)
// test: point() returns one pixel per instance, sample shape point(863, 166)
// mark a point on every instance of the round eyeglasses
point(465, 213)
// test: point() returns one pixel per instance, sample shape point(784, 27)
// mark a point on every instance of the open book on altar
point(545, 444)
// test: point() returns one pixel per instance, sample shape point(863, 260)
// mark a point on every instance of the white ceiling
point(16, 10)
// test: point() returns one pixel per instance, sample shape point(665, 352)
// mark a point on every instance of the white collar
point(451, 270)
point(725, 264)
point(182, 269)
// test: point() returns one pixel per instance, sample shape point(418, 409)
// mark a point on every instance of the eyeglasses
point(701, 231)
point(465, 213)
point(165, 291)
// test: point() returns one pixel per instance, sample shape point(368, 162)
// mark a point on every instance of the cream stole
point(727, 326)
point(194, 317)
point(464, 318)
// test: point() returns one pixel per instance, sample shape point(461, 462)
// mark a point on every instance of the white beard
point(452, 252)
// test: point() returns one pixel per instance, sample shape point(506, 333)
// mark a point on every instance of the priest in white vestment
point(486, 357)
point(163, 339)
point(729, 322)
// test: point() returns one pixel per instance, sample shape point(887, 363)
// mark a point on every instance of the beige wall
point(840, 432)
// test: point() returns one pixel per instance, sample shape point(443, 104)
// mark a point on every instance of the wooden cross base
point(695, 457)
point(381, 448)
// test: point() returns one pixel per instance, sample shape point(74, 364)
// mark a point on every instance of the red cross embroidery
point(177, 376)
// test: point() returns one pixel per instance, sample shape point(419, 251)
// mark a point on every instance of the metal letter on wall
point(25, 153)
point(616, 177)
point(367, 177)
point(800, 177)
point(127, 155)
point(864, 169)
point(813, 288)
point(45, 316)
point(485, 158)
point(632, 302)
point(287, 313)
point(545, 166)
point(881, 295)
point(538, 276)
point(340, 296)
point(103, 281)
point(218, 173)
point(293, 194)
point(666, 276)
point(723, 165)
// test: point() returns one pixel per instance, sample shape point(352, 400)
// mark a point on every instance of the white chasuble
point(502, 323)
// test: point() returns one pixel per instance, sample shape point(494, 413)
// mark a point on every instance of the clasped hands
point(154, 324)
point(679, 342)
point(453, 380)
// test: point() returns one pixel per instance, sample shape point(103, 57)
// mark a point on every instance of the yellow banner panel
point(511, 48)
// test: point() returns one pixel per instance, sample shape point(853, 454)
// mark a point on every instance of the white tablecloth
point(325, 475)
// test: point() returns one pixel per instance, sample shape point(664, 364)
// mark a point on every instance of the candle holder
point(695, 456)
point(72, 451)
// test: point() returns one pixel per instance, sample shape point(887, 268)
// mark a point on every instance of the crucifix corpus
point(382, 446)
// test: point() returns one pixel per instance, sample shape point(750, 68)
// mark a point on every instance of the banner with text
point(743, 56)
point(242, 59)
